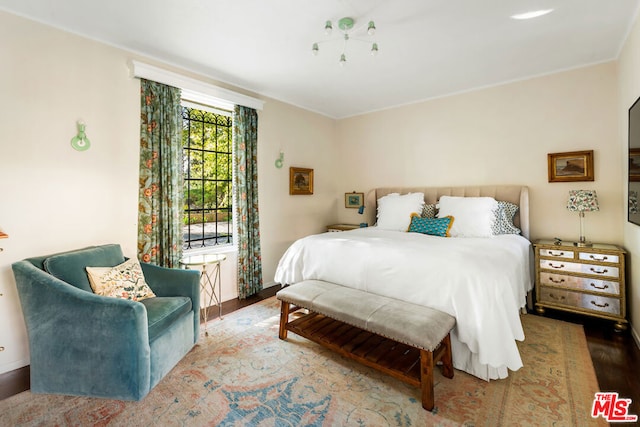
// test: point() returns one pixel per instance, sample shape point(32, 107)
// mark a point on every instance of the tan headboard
point(516, 194)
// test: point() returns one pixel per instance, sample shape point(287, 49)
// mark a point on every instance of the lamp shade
point(582, 201)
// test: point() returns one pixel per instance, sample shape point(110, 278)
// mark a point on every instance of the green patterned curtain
point(245, 139)
point(160, 207)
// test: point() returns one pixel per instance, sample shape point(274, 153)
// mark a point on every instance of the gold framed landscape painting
point(353, 200)
point(570, 166)
point(300, 181)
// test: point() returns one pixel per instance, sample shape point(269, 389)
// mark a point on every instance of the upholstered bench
point(401, 339)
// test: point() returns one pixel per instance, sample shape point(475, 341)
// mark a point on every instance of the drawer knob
point(560, 298)
point(599, 271)
point(556, 266)
point(606, 304)
point(595, 258)
point(556, 254)
point(555, 280)
point(599, 287)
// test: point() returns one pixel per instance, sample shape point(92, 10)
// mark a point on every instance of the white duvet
point(482, 282)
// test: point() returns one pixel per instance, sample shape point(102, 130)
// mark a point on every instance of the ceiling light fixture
point(532, 14)
point(347, 31)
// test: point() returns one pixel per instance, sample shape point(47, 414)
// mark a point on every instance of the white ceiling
point(428, 48)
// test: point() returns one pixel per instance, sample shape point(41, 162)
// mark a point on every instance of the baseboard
point(14, 382)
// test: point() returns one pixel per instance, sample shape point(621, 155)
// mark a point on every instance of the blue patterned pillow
point(431, 226)
point(503, 223)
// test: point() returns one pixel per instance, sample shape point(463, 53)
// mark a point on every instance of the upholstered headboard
point(516, 194)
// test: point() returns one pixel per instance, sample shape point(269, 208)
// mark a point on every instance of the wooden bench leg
point(426, 379)
point(284, 318)
point(447, 358)
point(427, 365)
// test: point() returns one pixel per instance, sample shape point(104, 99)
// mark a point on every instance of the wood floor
point(615, 356)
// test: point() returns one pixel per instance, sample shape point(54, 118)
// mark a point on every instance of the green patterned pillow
point(431, 226)
point(124, 281)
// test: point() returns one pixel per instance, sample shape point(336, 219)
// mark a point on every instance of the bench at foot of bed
point(401, 339)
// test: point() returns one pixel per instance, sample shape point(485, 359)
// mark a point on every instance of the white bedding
point(482, 282)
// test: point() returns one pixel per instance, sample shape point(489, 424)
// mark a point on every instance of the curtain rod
point(195, 90)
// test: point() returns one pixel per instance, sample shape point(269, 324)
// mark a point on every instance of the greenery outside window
point(207, 162)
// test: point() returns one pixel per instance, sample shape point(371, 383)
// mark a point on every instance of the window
point(207, 160)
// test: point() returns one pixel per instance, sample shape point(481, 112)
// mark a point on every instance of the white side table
point(206, 283)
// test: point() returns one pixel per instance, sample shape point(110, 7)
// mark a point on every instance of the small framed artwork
point(634, 164)
point(571, 166)
point(353, 200)
point(300, 181)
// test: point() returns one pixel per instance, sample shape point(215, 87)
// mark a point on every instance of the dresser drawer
point(580, 283)
point(557, 253)
point(574, 267)
point(601, 258)
point(597, 303)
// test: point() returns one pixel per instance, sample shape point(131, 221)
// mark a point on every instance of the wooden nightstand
point(342, 227)
point(585, 280)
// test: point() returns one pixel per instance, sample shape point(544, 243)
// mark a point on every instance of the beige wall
point(499, 135)
point(53, 198)
point(307, 141)
point(629, 91)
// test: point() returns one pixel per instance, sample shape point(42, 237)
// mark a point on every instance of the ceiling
point(427, 48)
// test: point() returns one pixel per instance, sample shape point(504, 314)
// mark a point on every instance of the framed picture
point(300, 181)
point(634, 164)
point(353, 200)
point(571, 166)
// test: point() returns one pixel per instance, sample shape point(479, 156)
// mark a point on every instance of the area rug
point(243, 375)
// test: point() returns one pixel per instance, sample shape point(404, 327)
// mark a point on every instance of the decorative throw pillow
point(124, 281)
point(394, 210)
point(474, 215)
point(431, 226)
point(429, 211)
point(503, 223)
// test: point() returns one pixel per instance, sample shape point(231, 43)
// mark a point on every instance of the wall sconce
point(3, 236)
point(280, 160)
point(80, 142)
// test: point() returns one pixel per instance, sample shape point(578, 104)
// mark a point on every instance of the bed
point(483, 281)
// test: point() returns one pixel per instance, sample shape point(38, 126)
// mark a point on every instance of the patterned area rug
point(243, 375)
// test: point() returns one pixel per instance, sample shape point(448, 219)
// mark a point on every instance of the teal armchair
point(85, 344)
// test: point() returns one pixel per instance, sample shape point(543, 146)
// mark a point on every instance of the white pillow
point(394, 210)
point(473, 216)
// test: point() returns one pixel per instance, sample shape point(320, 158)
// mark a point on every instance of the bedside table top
point(566, 244)
point(343, 227)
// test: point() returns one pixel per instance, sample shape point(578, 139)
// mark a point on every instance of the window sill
point(211, 250)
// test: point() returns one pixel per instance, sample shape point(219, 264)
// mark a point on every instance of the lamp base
point(583, 244)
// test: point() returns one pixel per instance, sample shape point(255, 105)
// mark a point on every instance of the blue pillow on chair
point(431, 226)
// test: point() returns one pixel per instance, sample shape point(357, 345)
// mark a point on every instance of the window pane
point(208, 172)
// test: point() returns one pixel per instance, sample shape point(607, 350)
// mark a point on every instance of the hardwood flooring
point(615, 356)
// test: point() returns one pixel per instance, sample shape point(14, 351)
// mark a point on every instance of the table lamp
point(582, 201)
